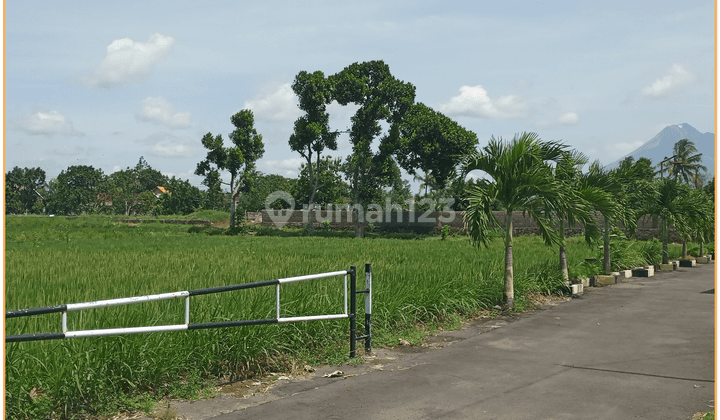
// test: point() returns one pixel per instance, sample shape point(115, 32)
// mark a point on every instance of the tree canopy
point(239, 159)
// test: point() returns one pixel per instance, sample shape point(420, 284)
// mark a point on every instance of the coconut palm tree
point(685, 163)
point(426, 180)
point(520, 178)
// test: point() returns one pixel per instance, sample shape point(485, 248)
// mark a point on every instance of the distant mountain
point(661, 146)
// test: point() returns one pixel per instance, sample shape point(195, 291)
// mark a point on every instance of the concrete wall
point(421, 222)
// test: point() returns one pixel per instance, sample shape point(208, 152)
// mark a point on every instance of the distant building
point(158, 191)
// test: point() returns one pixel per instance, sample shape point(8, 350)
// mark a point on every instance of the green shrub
point(445, 231)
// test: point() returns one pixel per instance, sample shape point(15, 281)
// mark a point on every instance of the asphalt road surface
point(643, 349)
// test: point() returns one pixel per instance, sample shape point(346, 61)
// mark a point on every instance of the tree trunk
point(358, 230)
point(233, 192)
point(509, 294)
point(684, 250)
point(606, 248)
point(563, 254)
point(664, 232)
point(702, 252)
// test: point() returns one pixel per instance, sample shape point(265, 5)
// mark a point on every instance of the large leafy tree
point(685, 164)
point(125, 187)
point(381, 97)
point(332, 188)
point(262, 185)
point(431, 142)
point(520, 178)
point(239, 159)
point(75, 190)
point(312, 133)
point(24, 190)
point(181, 198)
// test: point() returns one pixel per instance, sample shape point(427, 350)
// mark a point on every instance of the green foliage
point(380, 96)
point(75, 191)
point(326, 225)
point(433, 143)
point(330, 187)
point(181, 198)
point(445, 231)
point(520, 178)
point(651, 251)
point(239, 160)
point(24, 189)
point(260, 186)
point(312, 131)
point(684, 166)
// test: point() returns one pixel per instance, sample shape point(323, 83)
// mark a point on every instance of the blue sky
point(101, 83)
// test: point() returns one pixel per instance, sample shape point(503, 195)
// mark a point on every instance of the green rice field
point(52, 261)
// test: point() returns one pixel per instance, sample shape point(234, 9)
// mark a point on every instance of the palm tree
point(685, 163)
point(427, 180)
point(702, 226)
point(583, 200)
point(675, 207)
point(520, 179)
point(609, 195)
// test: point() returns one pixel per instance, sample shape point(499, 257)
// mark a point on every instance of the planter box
point(644, 272)
point(585, 282)
point(667, 267)
point(577, 289)
point(606, 280)
point(687, 263)
point(702, 260)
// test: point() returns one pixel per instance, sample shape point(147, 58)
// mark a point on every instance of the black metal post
point(353, 309)
point(368, 308)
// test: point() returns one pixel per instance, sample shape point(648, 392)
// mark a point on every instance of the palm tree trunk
point(563, 254)
point(702, 252)
point(664, 231)
point(684, 250)
point(606, 247)
point(509, 290)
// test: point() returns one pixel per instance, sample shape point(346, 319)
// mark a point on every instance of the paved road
point(642, 349)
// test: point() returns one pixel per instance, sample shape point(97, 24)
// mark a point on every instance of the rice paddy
point(58, 261)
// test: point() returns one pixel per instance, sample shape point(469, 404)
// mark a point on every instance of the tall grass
point(50, 262)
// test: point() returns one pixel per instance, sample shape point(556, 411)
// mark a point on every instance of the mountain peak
point(661, 146)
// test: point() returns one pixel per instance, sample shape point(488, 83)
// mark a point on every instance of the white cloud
point(286, 167)
point(277, 103)
point(44, 123)
point(660, 87)
point(129, 61)
point(169, 145)
point(159, 111)
point(569, 118)
point(473, 101)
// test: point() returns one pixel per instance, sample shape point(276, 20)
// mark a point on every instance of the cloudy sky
point(102, 84)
